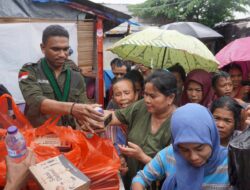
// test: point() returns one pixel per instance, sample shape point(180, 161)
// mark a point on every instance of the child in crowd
point(222, 84)
point(198, 88)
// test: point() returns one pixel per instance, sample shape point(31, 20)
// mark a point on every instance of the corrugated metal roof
point(121, 7)
point(122, 28)
point(64, 10)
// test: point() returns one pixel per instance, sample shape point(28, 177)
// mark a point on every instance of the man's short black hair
point(116, 61)
point(54, 30)
point(119, 63)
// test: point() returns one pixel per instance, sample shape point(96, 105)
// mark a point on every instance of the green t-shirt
point(138, 120)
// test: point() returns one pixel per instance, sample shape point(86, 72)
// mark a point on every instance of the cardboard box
point(57, 172)
point(54, 141)
point(48, 140)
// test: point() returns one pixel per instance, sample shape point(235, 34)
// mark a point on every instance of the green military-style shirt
point(138, 120)
point(35, 87)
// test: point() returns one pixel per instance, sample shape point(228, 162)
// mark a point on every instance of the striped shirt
point(164, 164)
point(117, 134)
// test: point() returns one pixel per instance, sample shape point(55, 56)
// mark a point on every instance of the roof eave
point(112, 18)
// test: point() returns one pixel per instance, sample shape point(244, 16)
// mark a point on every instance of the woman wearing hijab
point(195, 160)
point(198, 88)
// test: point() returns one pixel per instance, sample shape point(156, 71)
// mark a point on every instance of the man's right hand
point(87, 115)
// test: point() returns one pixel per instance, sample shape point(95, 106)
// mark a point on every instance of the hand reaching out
point(134, 151)
point(124, 168)
point(87, 116)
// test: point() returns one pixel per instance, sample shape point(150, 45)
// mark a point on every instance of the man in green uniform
point(52, 87)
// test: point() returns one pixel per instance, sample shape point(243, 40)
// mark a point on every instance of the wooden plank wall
point(86, 45)
point(86, 38)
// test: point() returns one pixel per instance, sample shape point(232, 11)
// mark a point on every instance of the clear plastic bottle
point(15, 144)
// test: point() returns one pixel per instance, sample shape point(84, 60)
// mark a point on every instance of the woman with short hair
point(148, 121)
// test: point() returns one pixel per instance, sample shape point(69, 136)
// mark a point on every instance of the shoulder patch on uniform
point(23, 75)
point(29, 63)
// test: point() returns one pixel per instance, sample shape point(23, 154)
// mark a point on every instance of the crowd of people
point(171, 129)
point(215, 92)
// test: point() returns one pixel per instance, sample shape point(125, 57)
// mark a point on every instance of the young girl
point(198, 88)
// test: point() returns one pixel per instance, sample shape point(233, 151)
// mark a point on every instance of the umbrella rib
point(134, 49)
point(131, 51)
point(164, 54)
point(193, 29)
point(187, 61)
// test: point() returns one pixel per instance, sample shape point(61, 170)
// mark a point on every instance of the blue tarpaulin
point(108, 77)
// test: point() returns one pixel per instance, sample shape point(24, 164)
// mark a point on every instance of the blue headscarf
point(193, 123)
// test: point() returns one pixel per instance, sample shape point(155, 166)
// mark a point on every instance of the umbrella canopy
point(236, 51)
point(194, 29)
point(157, 48)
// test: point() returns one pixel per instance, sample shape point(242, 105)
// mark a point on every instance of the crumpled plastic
point(96, 157)
point(239, 160)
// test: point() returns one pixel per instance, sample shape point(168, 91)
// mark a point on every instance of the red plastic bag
point(6, 120)
point(95, 157)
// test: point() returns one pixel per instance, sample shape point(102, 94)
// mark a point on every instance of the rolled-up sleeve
point(129, 114)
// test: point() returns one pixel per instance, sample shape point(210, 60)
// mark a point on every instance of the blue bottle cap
point(12, 129)
point(99, 109)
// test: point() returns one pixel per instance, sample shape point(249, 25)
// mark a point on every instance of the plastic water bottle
point(15, 144)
